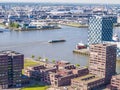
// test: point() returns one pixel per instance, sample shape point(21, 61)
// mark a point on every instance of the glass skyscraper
point(100, 29)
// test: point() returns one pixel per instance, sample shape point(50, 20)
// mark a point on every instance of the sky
point(67, 1)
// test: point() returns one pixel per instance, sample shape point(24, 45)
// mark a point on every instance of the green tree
point(14, 24)
point(53, 61)
point(77, 65)
point(32, 56)
point(39, 58)
point(46, 59)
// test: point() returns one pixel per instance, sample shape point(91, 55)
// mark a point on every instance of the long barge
point(1, 31)
point(55, 41)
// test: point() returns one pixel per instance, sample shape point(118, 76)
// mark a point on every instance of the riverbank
point(2, 26)
point(86, 52)
point(30, 29)
point(82, 52)
point(77, 25)
point(26, 29)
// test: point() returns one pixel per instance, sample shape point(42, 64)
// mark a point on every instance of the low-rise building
point(61, 78)
point(57, 74)
point(87, 82)
point(81, 71)
point(69, 67)
point(40, 73)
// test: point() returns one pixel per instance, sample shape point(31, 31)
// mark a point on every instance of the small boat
point(55, 41)
point(81, 46)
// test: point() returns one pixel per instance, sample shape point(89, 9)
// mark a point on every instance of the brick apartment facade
point(57, 74)
point(13, 63)
point(63, 77)
point(103, 60)
point(40, 73)
point(3, 71)
point(102, 66)
point(115, 82)
point(87, 82)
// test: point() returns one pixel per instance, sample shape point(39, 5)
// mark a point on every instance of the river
point(36, 43)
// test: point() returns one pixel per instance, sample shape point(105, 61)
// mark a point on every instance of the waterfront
point(36, 43)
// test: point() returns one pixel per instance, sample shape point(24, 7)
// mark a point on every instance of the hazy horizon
point(70, 1)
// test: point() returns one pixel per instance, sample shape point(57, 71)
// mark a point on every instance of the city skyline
point(70, 1)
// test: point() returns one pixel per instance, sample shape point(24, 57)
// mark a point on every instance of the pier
point(82, 51)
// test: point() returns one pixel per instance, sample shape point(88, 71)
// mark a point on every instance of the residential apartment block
point(3, 70)
point(102, 65)
point(11, 65)
point(115, 82)
point(57, 74)
point(63, 77)
point(87, 82)
point(103, 60)
point(40, 73)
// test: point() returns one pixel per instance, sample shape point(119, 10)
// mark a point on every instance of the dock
point(82, 51)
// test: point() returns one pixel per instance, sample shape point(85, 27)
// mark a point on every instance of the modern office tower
point(11, 68)
point(103, 60)
point(100, 29)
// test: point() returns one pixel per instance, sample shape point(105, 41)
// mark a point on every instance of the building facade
point(63, 77)
point(103, 60)
point(87, 82)
point(3, 71)
point(40, 73)
point(100, 29)
point(102, 65)
point(13, 64)
point(115, 82)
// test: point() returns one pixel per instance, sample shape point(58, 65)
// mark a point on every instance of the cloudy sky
point(68, 1)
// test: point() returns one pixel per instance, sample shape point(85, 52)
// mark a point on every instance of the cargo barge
point(55, 41)
point(1, 31)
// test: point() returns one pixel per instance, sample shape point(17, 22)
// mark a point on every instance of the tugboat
point(55, 41)
point(81, 46)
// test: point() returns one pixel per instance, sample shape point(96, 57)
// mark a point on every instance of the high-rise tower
point(11, 65)
point(103, 60)
point(100, 29)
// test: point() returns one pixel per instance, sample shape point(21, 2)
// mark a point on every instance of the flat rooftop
point(80, 68)
point(87, 78)
point(107, 44)
point(9, 53)
point(117, 76)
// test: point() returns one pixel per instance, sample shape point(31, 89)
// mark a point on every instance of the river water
point(36, 43)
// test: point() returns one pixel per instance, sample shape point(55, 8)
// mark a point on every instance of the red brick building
point(115, 82)
point(103, 61)
point(11, 68)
